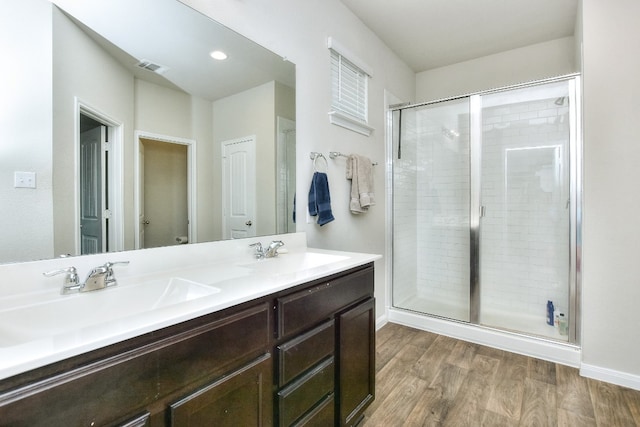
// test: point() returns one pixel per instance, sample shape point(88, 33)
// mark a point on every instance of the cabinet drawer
point(303, 309)
point(301, 353)
point(322, 415)
point(213, 349)
point(301, 396)
point(139, 421)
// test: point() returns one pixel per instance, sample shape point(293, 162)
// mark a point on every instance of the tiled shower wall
point(443, 210)
point(525, 190)
point(525, 233)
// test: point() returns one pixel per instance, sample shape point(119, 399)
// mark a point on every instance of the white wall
point(84, 70)
point(299, 31)
point(611, 289)
point(25, 116)
point(535, 62)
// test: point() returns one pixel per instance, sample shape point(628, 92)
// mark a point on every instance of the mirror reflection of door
point(93, 190)
point(239, 187)
point(286, 176)
point(141, 217)
point(164, 211)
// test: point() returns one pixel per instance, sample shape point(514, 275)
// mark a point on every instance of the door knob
point(145, 222)
point(248, 223)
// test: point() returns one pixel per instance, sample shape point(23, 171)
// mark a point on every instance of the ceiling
point(428, 34)
point(170, 34)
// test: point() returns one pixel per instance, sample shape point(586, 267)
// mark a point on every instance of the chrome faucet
point(98, 278)
point(268, 252)
point(272, 250)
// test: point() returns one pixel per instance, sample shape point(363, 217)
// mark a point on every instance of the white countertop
point(238, 279)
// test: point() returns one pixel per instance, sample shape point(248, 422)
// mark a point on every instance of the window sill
point(347, 122)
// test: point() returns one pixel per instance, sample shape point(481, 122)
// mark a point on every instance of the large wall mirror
point(119, 130)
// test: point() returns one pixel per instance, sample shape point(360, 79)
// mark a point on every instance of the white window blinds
point(349, 87)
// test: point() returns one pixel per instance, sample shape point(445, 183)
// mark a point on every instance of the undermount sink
point(292, 262)
point(66, 313)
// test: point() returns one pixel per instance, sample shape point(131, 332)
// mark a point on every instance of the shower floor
point(509, 321)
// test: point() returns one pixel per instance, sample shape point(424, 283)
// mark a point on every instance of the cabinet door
point(356, 368)
point(242, 398)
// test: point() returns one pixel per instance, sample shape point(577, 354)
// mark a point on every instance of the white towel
point(359, 171)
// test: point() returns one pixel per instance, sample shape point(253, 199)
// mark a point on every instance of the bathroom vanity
point(300, 351)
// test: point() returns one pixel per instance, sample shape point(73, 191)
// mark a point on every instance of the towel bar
point(334, 154)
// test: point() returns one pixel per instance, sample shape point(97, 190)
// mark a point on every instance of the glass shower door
point(525, 208)
point(431, 182)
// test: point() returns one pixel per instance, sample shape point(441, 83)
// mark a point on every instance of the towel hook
point(315, 156)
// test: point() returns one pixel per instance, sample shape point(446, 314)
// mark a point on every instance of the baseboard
point(381, 321)
point(611, 376)
point(539, 348)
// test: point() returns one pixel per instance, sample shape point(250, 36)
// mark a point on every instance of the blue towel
point(319, 198)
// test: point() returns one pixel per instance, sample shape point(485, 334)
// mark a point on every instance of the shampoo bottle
point(550, 313)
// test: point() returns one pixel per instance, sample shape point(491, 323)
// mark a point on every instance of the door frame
point(192, 223)
point(115, 181)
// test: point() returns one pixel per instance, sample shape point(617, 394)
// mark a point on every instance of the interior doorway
point(165, 188)
point(99, 213)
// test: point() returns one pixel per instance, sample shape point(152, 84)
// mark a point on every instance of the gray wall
point(611, 290)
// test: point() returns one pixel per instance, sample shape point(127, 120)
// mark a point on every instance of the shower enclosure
point(486, 208)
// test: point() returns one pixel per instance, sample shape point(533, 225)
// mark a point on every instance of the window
point(349, 85)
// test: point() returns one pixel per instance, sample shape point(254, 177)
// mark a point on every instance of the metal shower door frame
point(475, 214)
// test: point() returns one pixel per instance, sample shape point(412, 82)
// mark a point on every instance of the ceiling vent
point(150, 66)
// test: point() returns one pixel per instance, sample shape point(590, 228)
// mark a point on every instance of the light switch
point(24, 179)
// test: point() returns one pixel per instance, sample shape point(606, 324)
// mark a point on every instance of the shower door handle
point(483, 211)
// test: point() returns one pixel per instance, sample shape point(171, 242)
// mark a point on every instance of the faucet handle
point(259, 249)
point(71, 282)
point(110, 264)
point(72, 274)
point(110, 279)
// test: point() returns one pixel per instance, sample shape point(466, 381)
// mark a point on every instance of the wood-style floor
point(424, 379)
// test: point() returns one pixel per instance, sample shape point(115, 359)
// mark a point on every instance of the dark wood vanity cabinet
point(143, 381)
point(299, 357)
point(326, 359)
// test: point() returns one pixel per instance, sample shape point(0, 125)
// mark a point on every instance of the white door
point(92, 195)
point(239, 187)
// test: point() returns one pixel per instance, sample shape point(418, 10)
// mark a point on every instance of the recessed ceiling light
point(219, 55)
